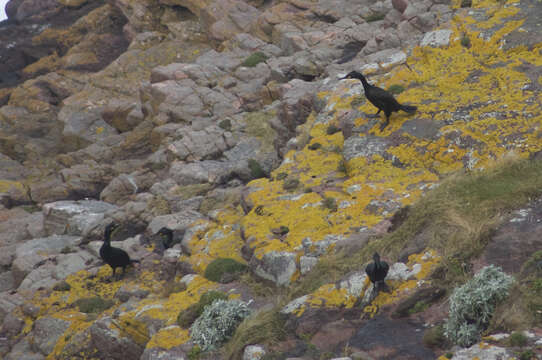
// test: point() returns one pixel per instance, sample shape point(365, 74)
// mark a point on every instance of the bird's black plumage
point(113, 256)
point(380, 98)
point(167, 237)
point(377, 271)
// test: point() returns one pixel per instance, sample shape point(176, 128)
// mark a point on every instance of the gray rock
point(23, 351)
point(306, 263)
point(46, 333)
point(178, 221)
point(365, 146)
point(275, 266)
point(174, 353)
point(33, 252)
point(74, 217)
point(438, 38)
point(9, 302)
point(109, 342)
point(490, 352)
point(82, 128)
point(197, 145)
point(7, 282)
point(207, 171)
point(12, 326)
point(253, 352)
point(119, 188)
point(88, 179)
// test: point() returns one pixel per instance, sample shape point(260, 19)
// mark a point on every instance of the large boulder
point(46, 333)
point(278, 267)
point(111, 343)
point(74, 217)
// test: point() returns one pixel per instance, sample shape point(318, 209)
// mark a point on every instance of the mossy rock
point(254, 59)
point(93, 305)
point(224, 270)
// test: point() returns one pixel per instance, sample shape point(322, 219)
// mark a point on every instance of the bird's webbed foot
point(383, 126)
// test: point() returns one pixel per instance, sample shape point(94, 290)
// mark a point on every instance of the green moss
point(290, 184)
point(254, 59)
point(449, 355)
point(527, 355)
point(330, 203)
point(315, 146)
point(224, 270)
point(256, 170)
point(465, 41)
point(93, 305)
point(62, 286)
point(517, 339)
point(194, 353)
point(375, 17)
point(396, 89)
point(225, 124)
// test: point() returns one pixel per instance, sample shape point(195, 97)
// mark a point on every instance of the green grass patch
point(224, 270)
point(256, 170)
point(93, 305)
point(396, 89)
point(225, 124)
point(332, 129)
point(290, 184)
point(517, 339)
point(375, 17)
point(263, 327)
point(254, 59)
point(330, 203)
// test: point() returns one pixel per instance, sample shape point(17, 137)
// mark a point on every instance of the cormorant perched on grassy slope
point(113, 256)
point(167, 237)
point(380, 98)
point(377, 271)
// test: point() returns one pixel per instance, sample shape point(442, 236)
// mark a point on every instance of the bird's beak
point(344, 77)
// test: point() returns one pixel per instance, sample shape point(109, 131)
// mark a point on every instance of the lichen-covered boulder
point(74, 217)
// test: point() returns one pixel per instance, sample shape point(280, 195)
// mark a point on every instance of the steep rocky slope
point(226, 122)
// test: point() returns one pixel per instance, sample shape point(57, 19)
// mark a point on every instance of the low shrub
point(218, 322)
point(472, 305)
point(224, 270)
point(190, 314)
point(93, 305)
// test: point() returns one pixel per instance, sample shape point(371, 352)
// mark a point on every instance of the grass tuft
point(224, 270)
point(375, 17)
point(254, 59)
point(93, 305)
point(396, 89)
point(256, 170)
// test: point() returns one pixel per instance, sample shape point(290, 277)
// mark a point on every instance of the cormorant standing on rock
point(380, 98)
point(113, 256)
point(167, 237)
point(377, 271)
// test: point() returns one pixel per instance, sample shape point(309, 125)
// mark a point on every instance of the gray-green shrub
point(218, 322)
point(472, 305)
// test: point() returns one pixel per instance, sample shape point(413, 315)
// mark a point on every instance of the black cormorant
point(166, 236)
point(377, 271)
point(113, 256)
point(380, 98)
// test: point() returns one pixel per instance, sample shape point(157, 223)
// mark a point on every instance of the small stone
point(438, 38)
point(253, 352)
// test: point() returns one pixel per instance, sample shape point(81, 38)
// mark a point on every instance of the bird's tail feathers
point(134, 261)
point(409, 108)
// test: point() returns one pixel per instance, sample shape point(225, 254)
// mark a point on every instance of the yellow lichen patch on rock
point(169, 337)
point(330, 295)
point(218, 239)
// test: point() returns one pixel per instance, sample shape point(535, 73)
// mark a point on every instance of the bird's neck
point(366, 85)
point(106, 244)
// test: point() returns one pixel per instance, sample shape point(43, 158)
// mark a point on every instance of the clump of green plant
point(315, 146)
point(449, 355)
point(254, 59)
point(93, 305)
point(517, 339)
point(172, 287)
point(465, 41)
point(434, 337)
point(472, 305)
point(332, 129)
point(282, 230)
point(307, 190)
point(418, 307)
point(266, 326)
point(375, 17)
point(190, 314)
point(218, 322)
point(290, 184)
point(396, 89)
point(194, 353)
point(225, 124)
point(224, 270)
point(341, 167)
point(330, 203)
point(256, 170)
point(527, 355)
point(62, 286)
point(66, 250)
point(282, 176)
point(466, 3)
